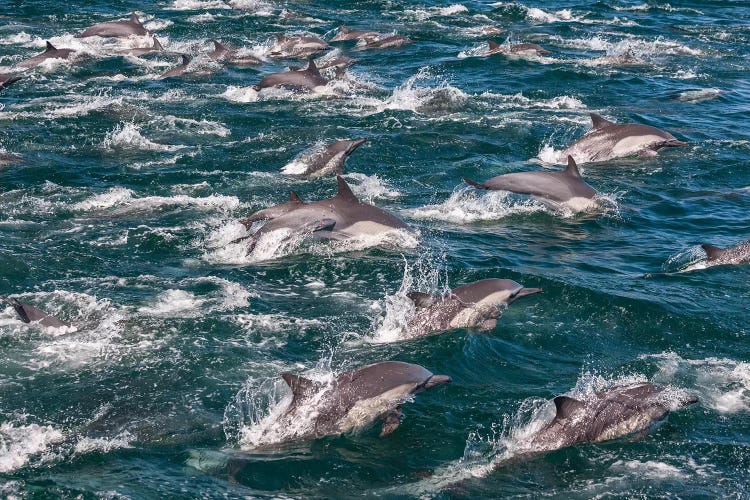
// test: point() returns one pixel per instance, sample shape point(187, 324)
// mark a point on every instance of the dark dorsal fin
point(50, 47)
point(218, 46)
point(572, 168)
point(312, 68)
point(421, 299)
point(713, 252)
point(300, 386)
point(157, 44)
point(344, 191)
point(493, 45)
point(294, 197)
point(340, 72)
point(600, 122)
point(566, 406)
point(186, 59)
point(19, 310)
point(134, 18)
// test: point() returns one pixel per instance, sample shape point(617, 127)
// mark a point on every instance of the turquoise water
point(121, 192)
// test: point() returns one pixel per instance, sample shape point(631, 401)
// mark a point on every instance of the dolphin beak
point(355, 145)
point(523, 292)
point(675, 143)
point(436, 380)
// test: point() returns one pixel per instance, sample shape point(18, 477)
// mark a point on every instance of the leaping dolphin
point(566, 187)
point(327, 161)
point(340, 218)
point(302, 79)
point(7, 80)
point(50, 53)
point(346, 34)
point(609, 140)
point(31, 314)
point(519, 48)
point(116, 29)
point(618, 412)
point(355, 399)
point(475, 305)
point(739, 254)
point(229, 55)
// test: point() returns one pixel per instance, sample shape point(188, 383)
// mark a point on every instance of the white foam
point(371, 187)
point(128, 136)
point(650, 469)
point(19, 443)
point(125, 199)
point(104, 445)
point(240, 94)
point(467, 205)
point(170, 303)
point(199, 4)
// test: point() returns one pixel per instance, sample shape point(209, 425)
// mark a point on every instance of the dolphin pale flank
point(476, 305)
point(342, 217)
point(298, 46)
point(346, 34)
point(30, 314)
point(609, 140)
point(354, 400)
point(116, 29)
point(229, 55)
point(178, 70)
point(520, 48)
point(7, 80)
point(739, 254)
point(384, 42)
point(326, 161)
point(566, 187)
point(50, 53)
point(302, 79)
point(622, 411)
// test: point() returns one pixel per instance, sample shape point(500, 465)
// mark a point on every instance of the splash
point(19, 443)
point(128, 136)
point(468, 205)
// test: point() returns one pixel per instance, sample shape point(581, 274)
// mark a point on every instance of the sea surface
point(120, 195)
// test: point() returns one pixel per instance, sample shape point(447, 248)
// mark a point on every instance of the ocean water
point(120, 195)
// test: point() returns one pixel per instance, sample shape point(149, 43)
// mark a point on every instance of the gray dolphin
point(497, 48)
point(475, 305)
point(341, 62)
point(31, 314)
point(739, 254)
point(384, 42)
point(356, 399)
point(346, 34)
point(116, 29)
point(618, 412)
point(139, 51)
point(609, 140)
point(7, 80)
point(566, 187)
point(229, 55)
point(341, 217)
point(326, 161)
point(50, 53)
point(178, 70)
point(298, 46)
point(302, 79)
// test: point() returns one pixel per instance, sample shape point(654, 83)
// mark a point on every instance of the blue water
point(120, 194)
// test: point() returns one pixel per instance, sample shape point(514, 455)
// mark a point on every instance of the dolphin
point(340, 218)
point(355, 399)
point(116, 29)
point(565, 187)
point(298, 46)
point(384, 42)
point(496, 48)
point(50, 53)
point(303, 79)
point(326, 161)
point(739, 254)
point(139, 51)
point(178, 70)
point(227, 54)
point(625, 59)
point(341, 62)
point(7, 80)
point(346, 34)
point(609, 140)
point(492, 30)
point(628, 410)
point(30, 314)
point(475, 305)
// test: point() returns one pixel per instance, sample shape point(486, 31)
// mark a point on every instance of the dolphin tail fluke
point(391, 422)
point(713, 252)
point(344, 191)
point(572, 168)
point(476, 184)
point(49, 47)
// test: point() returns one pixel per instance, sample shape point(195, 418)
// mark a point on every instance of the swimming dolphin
point(302, 79)
point(384, 42)
point(298, 46)
point(496, 48)
point(116, 29)
point(346, 34)
point(30, 314)
point(227, 54)
point(476, 305)
point(7, 80)
point(739, 254)
point(618, 412)
point(625, 59)
point(139, 51)
point(340, 218)
point(50, 53)
point(341, 62)
point(326, 161)
point(609, 140)
point(565, 187)
point(178, 70)
point(356, 399)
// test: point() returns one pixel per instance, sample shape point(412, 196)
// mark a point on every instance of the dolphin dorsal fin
point(312, 68)
point(713, 252)
point(493, 45)
point(572, 168)
point(294, 197)
point(49, 47)
point(218, 46)
point(157, 44)
point(134, 18)
point(566, 406)
point(279, 38)
point(20, 310)
point(186, 59)
point(599, 122)
point(421, 299)
point(344, 192)
point(300, 386)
